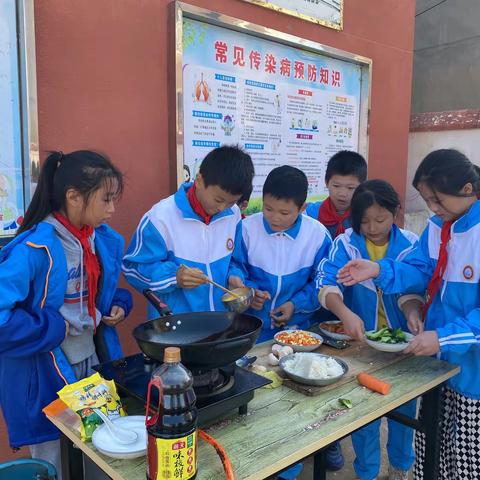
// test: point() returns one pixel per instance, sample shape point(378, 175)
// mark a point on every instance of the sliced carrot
point(227, 465)
point(373, 383)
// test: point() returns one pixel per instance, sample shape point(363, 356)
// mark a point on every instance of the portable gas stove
point(218, 391)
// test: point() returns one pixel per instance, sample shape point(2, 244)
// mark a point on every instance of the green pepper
point(399, 335)
point(378, 334)
point(346, 402)
point(388, 335)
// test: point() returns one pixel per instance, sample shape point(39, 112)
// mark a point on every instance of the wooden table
point(283, 426)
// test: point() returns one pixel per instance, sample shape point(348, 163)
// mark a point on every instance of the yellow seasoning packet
point(89, 393)
point(276, 379)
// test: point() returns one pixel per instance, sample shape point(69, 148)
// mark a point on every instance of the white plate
point(106, 444)
point(389, 347)
point(300, 348)
point(336, 336)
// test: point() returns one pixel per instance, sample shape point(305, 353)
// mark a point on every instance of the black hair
point(447, 171)
point(287, 183)
point(246, 196)
point(370, 193)
point(83, 170)
point(230, 168)
point(186, 170)
point(346, 163)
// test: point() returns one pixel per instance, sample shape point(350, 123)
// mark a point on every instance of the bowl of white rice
point(313, 368)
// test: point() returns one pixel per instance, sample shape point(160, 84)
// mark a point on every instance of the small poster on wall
point(283, 105)
point(328, 13)
point(11, 173)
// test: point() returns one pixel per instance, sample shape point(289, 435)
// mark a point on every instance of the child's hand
point(356, 271)
point(353, 325)
point(415, 323)
point(282, 314)
point(117, 315)
point(259, 299)
point(235, 282)
point(425, 343)
point(190, 277)
point(412, 310)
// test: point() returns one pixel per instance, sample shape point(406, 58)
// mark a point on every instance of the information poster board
point(282, 104)
point(324, 12)
point(11, 169)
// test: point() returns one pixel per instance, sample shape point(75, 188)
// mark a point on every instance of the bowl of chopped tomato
point(299, 340)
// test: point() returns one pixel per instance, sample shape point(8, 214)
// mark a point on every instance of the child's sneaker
point(397, 474)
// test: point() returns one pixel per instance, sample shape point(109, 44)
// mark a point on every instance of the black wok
point(207, 339)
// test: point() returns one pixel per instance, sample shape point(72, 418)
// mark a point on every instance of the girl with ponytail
point(59, 301)
point(444, 269)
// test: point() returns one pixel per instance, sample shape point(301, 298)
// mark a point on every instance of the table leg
point(432, 412)
point(319, 465)
point(72, 460)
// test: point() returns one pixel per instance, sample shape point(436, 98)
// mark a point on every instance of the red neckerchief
point(90, 262)
point(329, 216)
point(197, 206)
point(436, 280)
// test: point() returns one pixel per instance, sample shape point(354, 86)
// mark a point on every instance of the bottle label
point(177, 459)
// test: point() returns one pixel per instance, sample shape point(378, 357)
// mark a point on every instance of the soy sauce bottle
point(172, 431)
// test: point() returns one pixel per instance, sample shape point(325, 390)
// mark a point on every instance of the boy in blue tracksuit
point(363, 307)
point(282, 250)
point(345, 171)
point(445, 263)
point(59, 300)
point(200, 227)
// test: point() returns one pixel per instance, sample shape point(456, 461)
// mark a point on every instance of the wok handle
point(162, 308)
point(240, 342)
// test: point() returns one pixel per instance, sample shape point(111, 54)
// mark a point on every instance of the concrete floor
point(347, 472)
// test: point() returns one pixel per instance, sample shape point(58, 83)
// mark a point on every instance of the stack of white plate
point(105, 443)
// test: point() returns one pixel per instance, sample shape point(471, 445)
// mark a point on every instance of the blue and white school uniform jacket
point(172, 234)
point(455, 310)
point(284, 264)
point(313, 210)
point(362, 298)
point(33, 282)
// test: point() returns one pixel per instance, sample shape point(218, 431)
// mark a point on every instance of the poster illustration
point(283, 105)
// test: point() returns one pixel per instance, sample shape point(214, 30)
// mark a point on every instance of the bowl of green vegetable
point(388, 339)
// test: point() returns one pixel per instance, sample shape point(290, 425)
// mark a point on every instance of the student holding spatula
point(192, 236)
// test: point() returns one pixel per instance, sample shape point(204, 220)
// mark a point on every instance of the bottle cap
point(171, 355)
